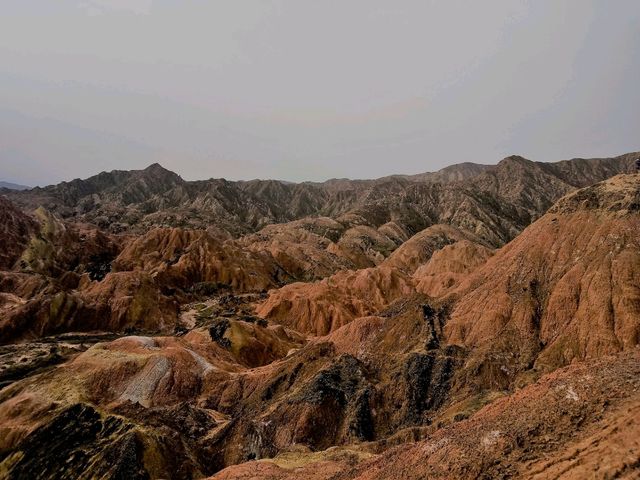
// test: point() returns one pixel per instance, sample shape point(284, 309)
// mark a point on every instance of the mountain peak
point(156, 167)
point(158, 171)
point(515, 159)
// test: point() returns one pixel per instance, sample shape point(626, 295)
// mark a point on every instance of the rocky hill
point(566, 288)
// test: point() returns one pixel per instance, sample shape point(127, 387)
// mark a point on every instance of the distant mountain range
point(496, 202)
point(13, 186)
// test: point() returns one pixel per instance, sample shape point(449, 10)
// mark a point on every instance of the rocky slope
point(567, 288)
point(321, 307)
point(579, 422)
point(450, 266)
point(15, 230)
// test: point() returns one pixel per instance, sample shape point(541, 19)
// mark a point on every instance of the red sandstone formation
point(395, 340)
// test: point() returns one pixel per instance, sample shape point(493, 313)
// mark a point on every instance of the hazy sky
point(308, 90)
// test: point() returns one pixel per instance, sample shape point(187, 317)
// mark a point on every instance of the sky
point(310, 90)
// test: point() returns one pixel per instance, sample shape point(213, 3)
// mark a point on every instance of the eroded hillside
point(480, 322)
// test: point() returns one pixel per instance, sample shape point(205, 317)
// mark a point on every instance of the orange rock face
point(567, 288)
point(302, 248)
point(321, 307)
point(449, 266)
point(181, 258)
point(15, 230)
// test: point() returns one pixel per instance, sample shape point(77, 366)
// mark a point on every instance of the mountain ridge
point(12, 186)
point(138, 200)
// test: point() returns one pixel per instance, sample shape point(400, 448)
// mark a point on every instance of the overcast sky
point(309, 90)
